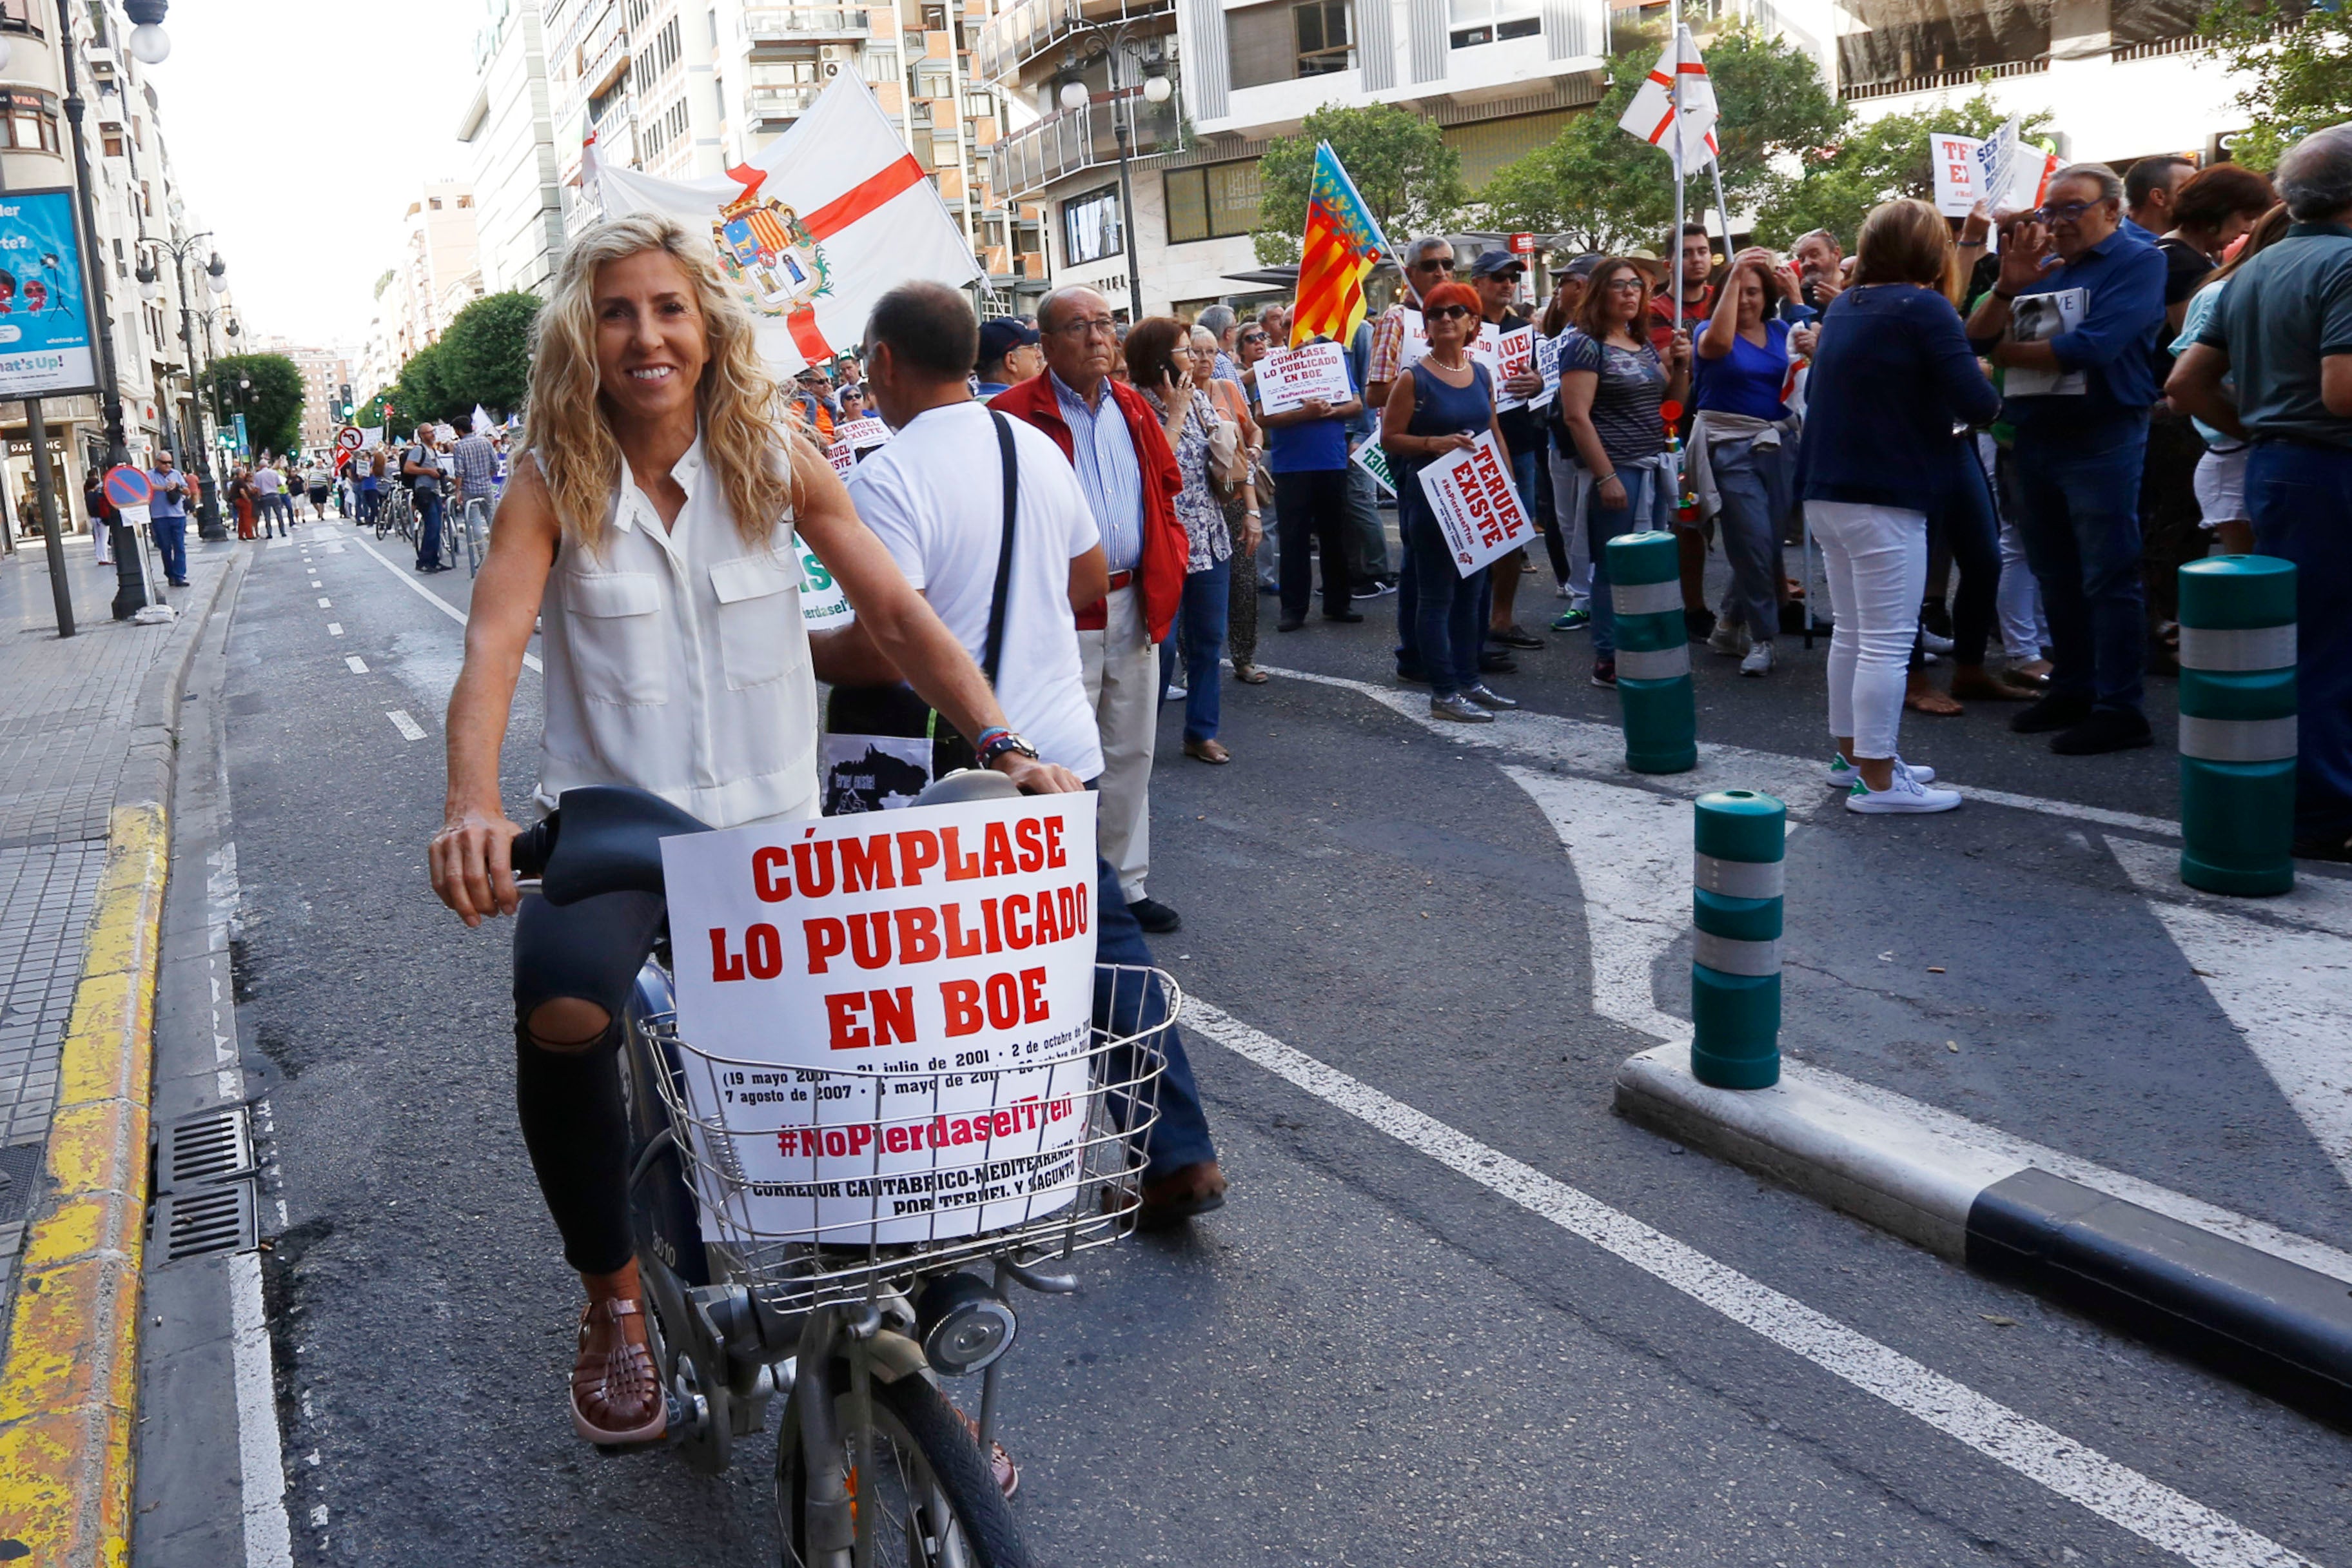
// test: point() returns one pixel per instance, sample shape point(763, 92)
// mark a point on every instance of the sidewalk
point(68, 716)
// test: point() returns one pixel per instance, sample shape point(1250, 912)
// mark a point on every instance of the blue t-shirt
point(1317, 445)
point(1748, 378)
point(170, 487)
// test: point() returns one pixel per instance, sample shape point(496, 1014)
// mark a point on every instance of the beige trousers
point(1122, 675)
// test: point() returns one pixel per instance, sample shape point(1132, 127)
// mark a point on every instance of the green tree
point(2297, 60)
point(486, 354)
point(423, 391)
point(1875, 162)
point(272, 406)
point(1611, 191)
point(1402, 166)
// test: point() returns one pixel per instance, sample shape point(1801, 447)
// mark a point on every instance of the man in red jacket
point(1119, 451)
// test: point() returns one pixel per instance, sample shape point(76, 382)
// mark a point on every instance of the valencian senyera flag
point(1344, 243)
point(820, 223)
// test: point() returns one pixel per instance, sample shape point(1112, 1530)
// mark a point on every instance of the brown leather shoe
point(616, 1393)
point(1187, 1191)
point(1001, 1468)
point(1208, 751)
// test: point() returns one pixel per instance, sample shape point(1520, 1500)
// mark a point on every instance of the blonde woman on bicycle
point(652, 526)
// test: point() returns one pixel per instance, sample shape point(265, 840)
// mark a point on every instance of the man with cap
point(1008, 353)
point(1495, 275)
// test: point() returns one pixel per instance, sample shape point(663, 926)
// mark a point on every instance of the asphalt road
point(1367, 1358)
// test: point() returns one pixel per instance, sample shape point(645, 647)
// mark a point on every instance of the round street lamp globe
point(1156, 89)
point(149, 44)
point(1073, 95)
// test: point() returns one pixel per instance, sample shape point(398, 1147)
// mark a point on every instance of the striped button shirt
point(1102, 451)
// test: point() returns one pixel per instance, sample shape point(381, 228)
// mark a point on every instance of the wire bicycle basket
point(825, 1184)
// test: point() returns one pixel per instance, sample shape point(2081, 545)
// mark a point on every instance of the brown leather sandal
point(616, 1393)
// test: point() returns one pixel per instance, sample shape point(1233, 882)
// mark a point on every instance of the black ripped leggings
point(574, 1122)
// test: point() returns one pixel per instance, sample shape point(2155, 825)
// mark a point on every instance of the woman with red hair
point(1439, 407)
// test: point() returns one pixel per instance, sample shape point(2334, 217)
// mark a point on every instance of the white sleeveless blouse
point(676, 662)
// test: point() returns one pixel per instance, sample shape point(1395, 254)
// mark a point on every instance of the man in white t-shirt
point(934, 496)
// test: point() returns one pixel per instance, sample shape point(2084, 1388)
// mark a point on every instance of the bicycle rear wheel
point(937, 1505)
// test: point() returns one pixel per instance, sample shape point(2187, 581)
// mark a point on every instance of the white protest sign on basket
point(1373, 458)
point(1514, 354)
point(1959, 173)
point(1290, 378)
point(886, 1032)
point(1476, 504)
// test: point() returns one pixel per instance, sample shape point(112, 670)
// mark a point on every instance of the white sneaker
point(1729, 639)
point(1903, 795)
point(1759, 661)
point(1843, 774)
point(1934, 643)
point(1174, 694)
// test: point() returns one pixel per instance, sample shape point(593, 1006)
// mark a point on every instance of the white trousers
point(1569, 487)
point(1876, 561)
point(1122, 675)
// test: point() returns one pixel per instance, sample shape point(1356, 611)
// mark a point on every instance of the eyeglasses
point(2067, 212)
point(1092, 326)
point(1630, 285)
point(1253, 337)
point(1447, 313)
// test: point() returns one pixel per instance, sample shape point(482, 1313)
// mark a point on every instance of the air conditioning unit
point(832, 70)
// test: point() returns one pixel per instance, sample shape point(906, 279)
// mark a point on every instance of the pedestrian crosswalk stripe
point(410, 729)
point(359, 665)
point(326, 604)
point(334, 628)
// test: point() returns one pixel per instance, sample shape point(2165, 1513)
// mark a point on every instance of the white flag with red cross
point(832, 215)
point(1652, 114)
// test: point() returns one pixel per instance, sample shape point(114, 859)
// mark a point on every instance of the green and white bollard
point(1653, 680)
point(2237, 724)
point(1741, 839)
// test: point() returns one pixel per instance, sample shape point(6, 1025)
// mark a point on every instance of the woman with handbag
point(1235, 444)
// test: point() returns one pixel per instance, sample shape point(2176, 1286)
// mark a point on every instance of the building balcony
point(1025, 30)
point(800, 24)
point(599, 71)
point(1935, 82)
point(1081, 139)
point(773, 108)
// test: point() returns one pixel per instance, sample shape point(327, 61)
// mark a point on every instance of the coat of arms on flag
point(767, 251)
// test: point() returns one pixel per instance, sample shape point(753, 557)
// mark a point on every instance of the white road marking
point(334, 628)
point(2288, 992)
point(410, 729)
point(326, 604)
point(2116, 1492)
point(281, 543)
point(269, 1542)
point(358, 665)
point(1585, 747)
point(444, 605)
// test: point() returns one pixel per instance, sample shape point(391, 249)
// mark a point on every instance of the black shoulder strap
point(994, 649)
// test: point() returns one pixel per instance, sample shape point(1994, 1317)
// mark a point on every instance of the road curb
point(2249, 1314)
point(68, 1387)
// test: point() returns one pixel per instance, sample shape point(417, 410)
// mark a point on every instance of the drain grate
point(208, 1147)
point(20, 1181)
point(209, 1219)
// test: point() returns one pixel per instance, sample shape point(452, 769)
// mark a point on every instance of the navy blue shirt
point(1892, 374)
point(2122, 278)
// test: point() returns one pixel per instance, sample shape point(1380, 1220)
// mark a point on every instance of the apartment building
point(439, 272)
point(510, 129)
point(325, 374)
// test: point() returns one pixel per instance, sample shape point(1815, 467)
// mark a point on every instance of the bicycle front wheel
point(936, 1504)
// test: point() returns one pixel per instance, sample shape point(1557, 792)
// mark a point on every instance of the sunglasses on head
point(1447, 313)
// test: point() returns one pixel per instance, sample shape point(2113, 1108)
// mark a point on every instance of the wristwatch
point(1004, 740)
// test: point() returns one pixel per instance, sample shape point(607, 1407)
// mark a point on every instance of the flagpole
point(1675, 102)
point(1722, 209)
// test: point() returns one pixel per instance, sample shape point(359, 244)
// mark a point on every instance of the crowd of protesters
point(2003, 436)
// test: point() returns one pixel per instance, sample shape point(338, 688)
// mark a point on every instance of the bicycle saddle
point(601, 838)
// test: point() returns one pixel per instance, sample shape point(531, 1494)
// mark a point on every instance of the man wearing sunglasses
point(2071, 321)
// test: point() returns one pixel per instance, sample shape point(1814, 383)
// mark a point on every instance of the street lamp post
point(208, 520)
point(1107, 41)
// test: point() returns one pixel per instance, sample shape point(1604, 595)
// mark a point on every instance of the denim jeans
point(1367, 541)
point(428, 528)
point(2078, 494)
point(171, 536)
point(1449, 610)
point(1181, 1137)
point(1645, 508)
point(1199, 637)
point(2301, 497)
point(1569, 486)
point(371, 499)
point(1753, 483)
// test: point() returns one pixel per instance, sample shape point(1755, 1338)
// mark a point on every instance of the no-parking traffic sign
point(127, 486)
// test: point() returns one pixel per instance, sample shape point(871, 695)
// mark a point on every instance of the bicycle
point(854, 1332)
point(462, 522)
point(394, 513)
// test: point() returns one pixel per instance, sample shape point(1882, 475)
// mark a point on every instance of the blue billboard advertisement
point(44, 327)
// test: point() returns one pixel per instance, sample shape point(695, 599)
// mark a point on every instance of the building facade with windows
point(510, 129)
point(439, 272)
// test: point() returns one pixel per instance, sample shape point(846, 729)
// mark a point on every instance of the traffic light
point(346, 400)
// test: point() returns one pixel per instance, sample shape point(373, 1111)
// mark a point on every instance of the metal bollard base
point(1735, 1028)
point(2237, 822)
point(1661, 725)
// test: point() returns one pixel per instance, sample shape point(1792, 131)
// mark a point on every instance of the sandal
point(1249, 675)
point(616, 1393)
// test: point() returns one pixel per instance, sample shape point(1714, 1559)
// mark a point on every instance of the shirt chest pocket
point(758, 611)
point(618, 651)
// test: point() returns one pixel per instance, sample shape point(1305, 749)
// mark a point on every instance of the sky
point(301, 131)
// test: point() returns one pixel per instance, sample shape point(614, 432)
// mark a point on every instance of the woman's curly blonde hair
point(746, 427)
